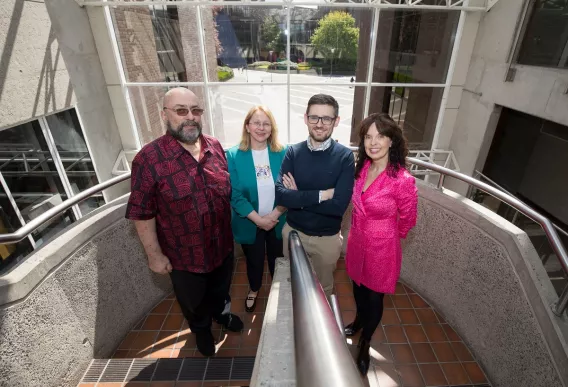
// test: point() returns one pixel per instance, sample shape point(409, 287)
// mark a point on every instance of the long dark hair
point(387, 127)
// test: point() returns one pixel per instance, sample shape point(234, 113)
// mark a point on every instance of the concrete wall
point(537, 91)
point(73, 300)
point(34, 80)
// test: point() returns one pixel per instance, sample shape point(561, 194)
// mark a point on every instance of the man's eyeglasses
point(182, 112)
point(265, 125)
point(324, 120)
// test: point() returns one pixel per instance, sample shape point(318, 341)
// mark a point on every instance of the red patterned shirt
point(191, 201)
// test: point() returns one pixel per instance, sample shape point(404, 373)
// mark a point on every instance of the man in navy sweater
point(315, 185)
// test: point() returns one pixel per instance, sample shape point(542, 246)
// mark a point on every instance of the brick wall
point(138, 53)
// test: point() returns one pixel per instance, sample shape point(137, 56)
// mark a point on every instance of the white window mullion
point(371, 64)
point(208, 104)
point(58, 164)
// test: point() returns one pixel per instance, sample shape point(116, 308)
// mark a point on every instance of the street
point(235, 101)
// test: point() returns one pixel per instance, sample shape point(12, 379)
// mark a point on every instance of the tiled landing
point(413, 347)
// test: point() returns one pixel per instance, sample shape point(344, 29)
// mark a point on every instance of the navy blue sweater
point(316, 171)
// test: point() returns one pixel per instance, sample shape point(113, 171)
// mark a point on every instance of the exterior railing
point(558, 307)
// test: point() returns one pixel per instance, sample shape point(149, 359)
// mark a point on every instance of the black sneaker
point(231, 322)
point(205, 343)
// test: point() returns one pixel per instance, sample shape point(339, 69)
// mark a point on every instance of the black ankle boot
point(354, 327)
point(363, 357)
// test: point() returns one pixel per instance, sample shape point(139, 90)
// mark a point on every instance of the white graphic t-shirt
point(264, 181)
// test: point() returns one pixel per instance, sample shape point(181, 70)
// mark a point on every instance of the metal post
point(322, 356)
point(441, 181)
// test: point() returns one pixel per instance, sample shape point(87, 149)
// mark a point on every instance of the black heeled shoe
point(363, 357)
point(250, 302)
point(354, 327)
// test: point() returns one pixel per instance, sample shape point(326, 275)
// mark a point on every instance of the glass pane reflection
point(70, 142)
point(29, 171)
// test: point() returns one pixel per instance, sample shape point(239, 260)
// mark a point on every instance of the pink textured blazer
point(382, 215)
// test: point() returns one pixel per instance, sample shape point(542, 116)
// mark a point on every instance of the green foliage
point(224, 73)
point(336, 36)
point(261, 64)
point(272, 35)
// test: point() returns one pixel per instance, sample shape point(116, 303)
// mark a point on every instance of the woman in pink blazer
point(384, 210)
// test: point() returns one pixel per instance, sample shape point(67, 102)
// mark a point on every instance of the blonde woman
point(254, 166)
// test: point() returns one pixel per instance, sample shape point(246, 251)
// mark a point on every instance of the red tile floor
point(414, 346)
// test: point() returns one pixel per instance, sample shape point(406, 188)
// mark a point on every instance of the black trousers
point(266, 244)
point(369, 309)
point(202, 296)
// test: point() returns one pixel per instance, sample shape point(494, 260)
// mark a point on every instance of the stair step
point(189, 369)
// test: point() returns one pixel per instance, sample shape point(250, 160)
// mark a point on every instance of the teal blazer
point(244, 197)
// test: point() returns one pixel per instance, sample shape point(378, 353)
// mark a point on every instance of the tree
point(336, 36)
point(272, 35)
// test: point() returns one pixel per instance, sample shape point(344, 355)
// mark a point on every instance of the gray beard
point(182, 136)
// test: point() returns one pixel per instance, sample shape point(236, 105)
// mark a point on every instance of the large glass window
point(545, 42)
point(280, 55)
point(412, 47)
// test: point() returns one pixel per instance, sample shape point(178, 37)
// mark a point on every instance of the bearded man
point(180, 203)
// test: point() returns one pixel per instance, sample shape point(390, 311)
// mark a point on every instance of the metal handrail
point(477, 173)
point(334, 303)
point(30, 227)
point(558, 307)
point(322, 356)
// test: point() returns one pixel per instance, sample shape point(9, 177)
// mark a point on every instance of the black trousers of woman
point(369, 309)
point(266, 244)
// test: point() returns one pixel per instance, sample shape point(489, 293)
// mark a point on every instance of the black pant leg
point(190, 290)
point(219, 285)
point(255, 254)
point(273, 250)
point(375, 313)
point(361, 301)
